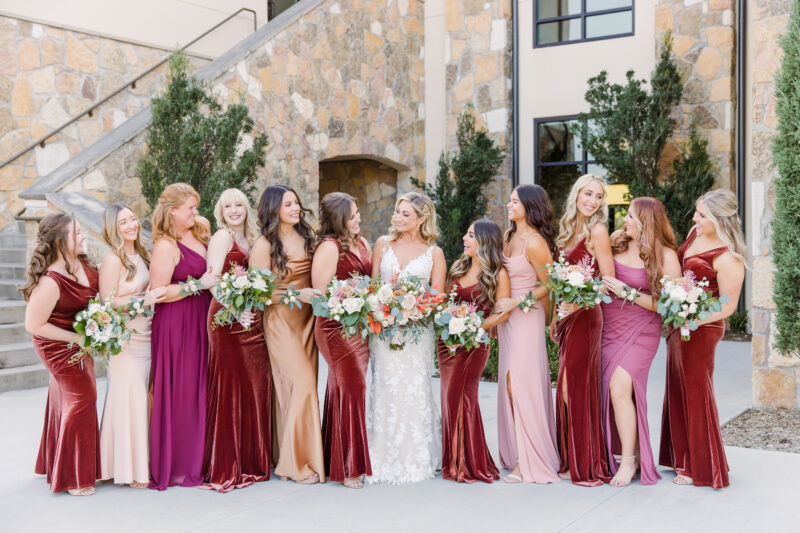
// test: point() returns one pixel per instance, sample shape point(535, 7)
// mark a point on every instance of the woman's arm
point(218, 247)
point(377, 256)
point(601, 245)
point(163, 260)
point(110, 270)
point(439, 271)
point(323, 267)
point(260, 258)
point(40, 305)
point(503, 291)
point(730, 276)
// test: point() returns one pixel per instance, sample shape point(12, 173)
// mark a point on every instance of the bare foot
point(138, 485)
point(353, 483)
point(626, 472)
point(314, 478)
point(85, 491)
point(680, 479)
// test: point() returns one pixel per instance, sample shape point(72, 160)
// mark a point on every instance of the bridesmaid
point(238, 426)
point(286, 246)
point(691, 442)
point(582, 233)
point(644, 252)
point(60, 284)
point(526, 426)
point(124, 431)
point(341, 253)
point(179, 340)
point(478, 277)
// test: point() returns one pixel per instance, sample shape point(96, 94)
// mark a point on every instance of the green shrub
point(738, 321)
point(490, 370)
point(552, 357)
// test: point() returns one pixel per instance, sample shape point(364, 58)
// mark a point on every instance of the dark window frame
point(584, 162)
point(582, 16)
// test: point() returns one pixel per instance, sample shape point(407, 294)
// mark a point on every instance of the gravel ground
point(764, 429)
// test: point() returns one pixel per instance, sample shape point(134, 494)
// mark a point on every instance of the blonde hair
point(251, 232)
point(566, 226)
point(423, 207)
point(722, 209)
point(163, 225)
point(116, 243)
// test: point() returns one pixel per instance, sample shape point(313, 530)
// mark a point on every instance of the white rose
point(241, 282)
point(94, 308)
point(352, 305)
point(575, 279)
point(457, 325)
point(677, 294)
point(259, 284)
point(408, 302)
point(372, 302)
point(385, 294)
point(333, 302)
point(91, 328)
point(693, 296)
point(692, 308)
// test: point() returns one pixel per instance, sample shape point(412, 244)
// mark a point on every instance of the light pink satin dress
point(124, 431)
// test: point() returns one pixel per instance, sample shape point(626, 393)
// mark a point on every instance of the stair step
point(9, 254)
point(12, 311)
point(24, 377)
point(13, 333)
point(13, 240)
point(17, 354)
point(13, 270)
point(8, 288)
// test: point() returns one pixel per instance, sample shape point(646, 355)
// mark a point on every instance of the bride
point(403, 423)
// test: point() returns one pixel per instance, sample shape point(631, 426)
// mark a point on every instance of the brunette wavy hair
point(268, 207)
point(116, 243)
point(51, 243)
point(489, 254)
point(655, 234)
point(538, 215)
point(334, 212)
point(163, 225)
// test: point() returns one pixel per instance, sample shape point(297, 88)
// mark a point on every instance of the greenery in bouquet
point(345, 301)
point(103, 329)
point(460, 324)
point(575, 283)
point(685, 301)
point(243, 289)
point(291, 298)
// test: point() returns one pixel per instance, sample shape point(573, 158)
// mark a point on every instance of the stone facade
point(776, 379)
point(705, 48)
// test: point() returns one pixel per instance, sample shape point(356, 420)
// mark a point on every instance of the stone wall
point(479, 63)
point(776, 379)
point(705, 45)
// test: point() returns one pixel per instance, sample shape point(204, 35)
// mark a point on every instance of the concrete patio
point(762, 495)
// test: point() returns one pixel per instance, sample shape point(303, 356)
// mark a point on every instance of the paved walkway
point(762, 495)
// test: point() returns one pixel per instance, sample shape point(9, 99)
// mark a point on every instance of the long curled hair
point(334, 212)
point(655, 234)
point(51, 243)
point(538, 215)
point(174, 196)
point(251, 232)
point(423, 207)
point(113, 238)
point(268, 207)
point(722, 209)
point(489, 254)
point(566, 226)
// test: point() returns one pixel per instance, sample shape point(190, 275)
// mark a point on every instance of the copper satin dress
point(691, 441)
point(344, 429)
point(69, 454)
point(238, 444)
point(579, 424)
point(465, 455)
point(297, 440)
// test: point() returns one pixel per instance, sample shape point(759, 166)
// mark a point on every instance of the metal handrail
point(131, 84)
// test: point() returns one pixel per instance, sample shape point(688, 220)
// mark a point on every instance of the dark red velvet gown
point(69, 454)
point(344, 429)
point(691, 441)
point(465, 455)
point(579, 424)
point(238, 449)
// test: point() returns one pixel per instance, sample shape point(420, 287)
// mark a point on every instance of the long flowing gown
point(526, 424)
point(297, 441)
point(124, 431)
point(465, 455)
point(405, 443)
point(238, 445)
point(630, 340)
point(691, 441)
point(344, 429)
point(179, 380)
point(579, 423)
point(69, 451)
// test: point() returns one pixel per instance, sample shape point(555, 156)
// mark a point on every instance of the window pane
point(609, 24)
point(602, 5)
point(557, 8)
point(557, 181)
point(558, 141)
point(557, 32)
point(594, 168)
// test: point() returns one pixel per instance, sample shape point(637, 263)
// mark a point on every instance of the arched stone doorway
point(373, 183)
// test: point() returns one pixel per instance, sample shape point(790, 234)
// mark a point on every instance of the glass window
point(571, 21)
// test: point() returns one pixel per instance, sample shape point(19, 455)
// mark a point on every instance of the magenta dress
point(630, 340)
point(179, 380)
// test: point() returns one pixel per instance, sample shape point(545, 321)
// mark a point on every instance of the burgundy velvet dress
point(579, 425)
point(69, 454)
point(344, 429)
point(691, 441)
point(465, 455)
point(238, 448)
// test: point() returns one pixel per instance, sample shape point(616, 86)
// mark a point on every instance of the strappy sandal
point(354, 483)
point(85, 491)
point(680, 479)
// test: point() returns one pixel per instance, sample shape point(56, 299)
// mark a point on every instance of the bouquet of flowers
point(345, 302)
point(291, 297)
point(684, 301)
point(401, 309)
point(190, 287)
point(103, 328)
point(242, 289)
point(527, 302)
point(459, 324)
point(575, 283)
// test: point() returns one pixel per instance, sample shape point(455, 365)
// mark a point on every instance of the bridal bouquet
point(345, 301)
point(685, 301)
point(242, 289)
point(459, 324)
point(575, 283)
point(103, 329)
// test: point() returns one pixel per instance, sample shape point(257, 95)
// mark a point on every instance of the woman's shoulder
point(110, 261)
point(598, 230)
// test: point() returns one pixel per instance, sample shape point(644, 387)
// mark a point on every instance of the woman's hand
point(614, 285)
point(246, 319)
point(505, 305)
point(565, 308)
point(209, 279)
point(307, 294)
point(154, 296)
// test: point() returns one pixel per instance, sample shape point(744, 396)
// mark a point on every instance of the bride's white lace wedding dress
point(403, 424)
